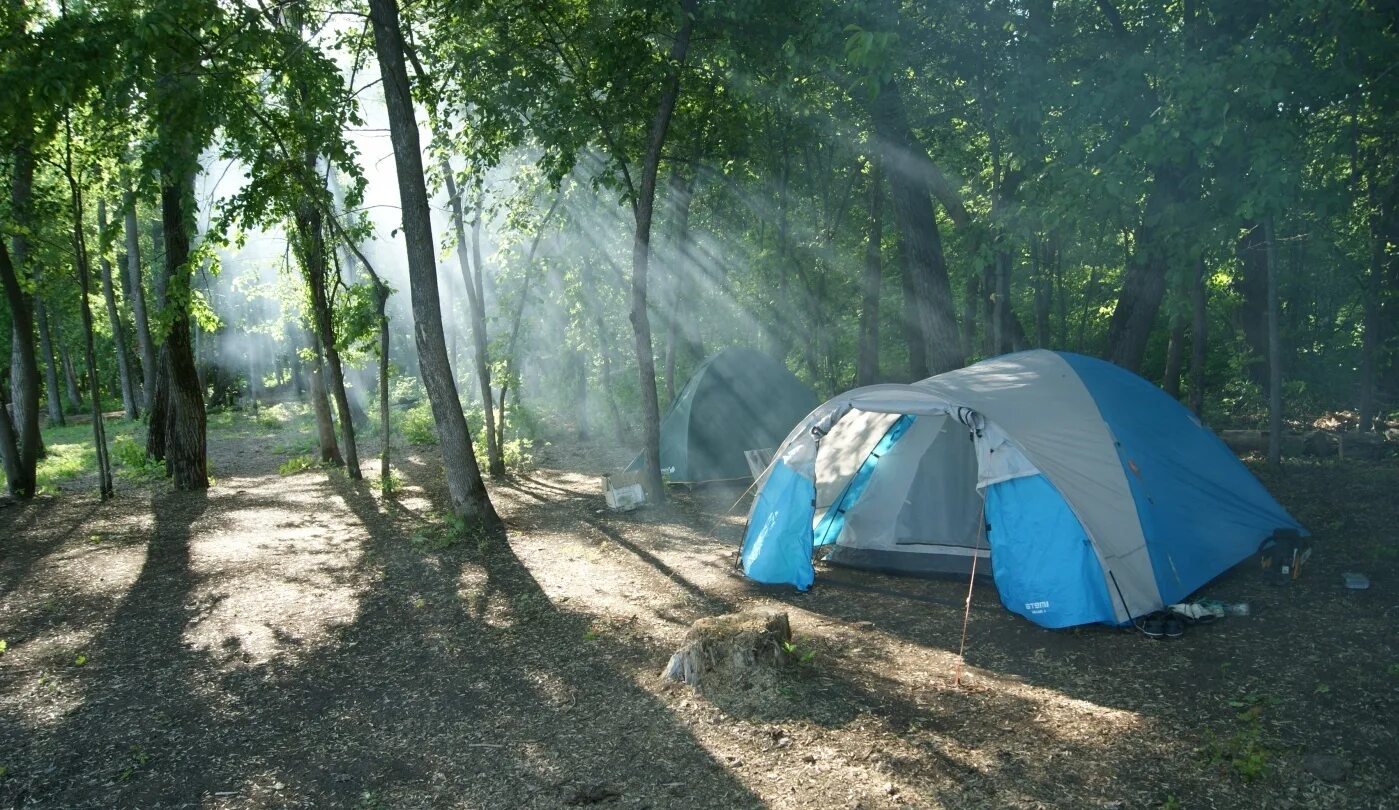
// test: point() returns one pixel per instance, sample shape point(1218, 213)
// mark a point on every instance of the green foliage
point(802, 655)
point(1244, 751)
point(416, 425)
point(132, 462)
point(449, 531)
point(296, 464)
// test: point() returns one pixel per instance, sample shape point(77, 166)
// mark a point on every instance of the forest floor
point(294, 640)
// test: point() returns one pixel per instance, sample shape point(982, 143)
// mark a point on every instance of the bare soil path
point(295, 641)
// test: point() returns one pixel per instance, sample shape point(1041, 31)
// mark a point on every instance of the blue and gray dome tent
point(1096, 496)
point(738, 399)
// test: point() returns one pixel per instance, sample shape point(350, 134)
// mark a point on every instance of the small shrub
point(417, 426)
point(296, 464)
point(132, 460)
point(1244, 751)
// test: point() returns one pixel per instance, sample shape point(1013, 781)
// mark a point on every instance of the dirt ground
point(297, 641)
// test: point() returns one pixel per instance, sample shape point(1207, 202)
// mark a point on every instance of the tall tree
point(132, 234)
point(468, 492)
point(125, 378)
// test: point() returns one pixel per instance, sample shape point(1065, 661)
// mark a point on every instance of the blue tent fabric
point(1044, 563)
point(1201, 509)
point(778, 543)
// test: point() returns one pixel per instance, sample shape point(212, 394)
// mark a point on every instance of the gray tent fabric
point(738, 399)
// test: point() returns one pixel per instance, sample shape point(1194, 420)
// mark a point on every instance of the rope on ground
point(967, 614)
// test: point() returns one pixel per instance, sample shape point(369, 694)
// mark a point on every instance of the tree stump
point(731, 647)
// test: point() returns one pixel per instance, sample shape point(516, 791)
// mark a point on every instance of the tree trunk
point(679, 301)
point(320, 404)
point(1199, 337)
point(1044, 291)
point(1370, 342)
point(516, 322)
point(912, 329)
point(1144, 284)
point(80, 260)
point(867, 360)
point(26, 444)
point(580, 394)
point(1274, 351)
point(138, 297)
point(109, 295)
point(468, 492)
point(310, 227)
point(185, 440)
point(1252, 285)
point(1002, 313)
point(1175, 356)
point(52, 396)
point(475, 291)
point(159, 412)
point(907, 165)
point(641, 254)
point(19, 443)
point(21, 193)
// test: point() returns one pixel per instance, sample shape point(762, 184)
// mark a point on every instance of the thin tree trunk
point(109, 295)
point(1004, 315)
point(871, 281)
point(516, 322)
point(1199, 337)
point(971, 297)
point(1274, 351)
point(138, 297)
point(1252, 285)
point(1175, 356)
point(21, 193)
point(310, 228)
point(1370, 341)
point(80, 259)
point(320, 404)
point(52, 392)
point(908, 168)
point(468, 492)
point(641, 253)
point(381, 303)
point(1044, 291)
point(159, 412)
point(480, 344)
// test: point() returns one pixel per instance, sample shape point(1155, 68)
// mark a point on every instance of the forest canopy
point(502, 216)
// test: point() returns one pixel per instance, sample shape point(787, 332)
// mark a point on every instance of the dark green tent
point(737, 400)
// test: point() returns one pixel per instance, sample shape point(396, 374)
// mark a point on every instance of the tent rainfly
point(737, 400)
point(1092, 494)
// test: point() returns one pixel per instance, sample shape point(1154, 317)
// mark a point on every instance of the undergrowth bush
point(132, 462)
point(416, 425)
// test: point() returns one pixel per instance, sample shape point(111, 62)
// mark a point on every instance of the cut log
point(731, 647)
point(1357, 446)
point(1256, 441)
point(1319, 443)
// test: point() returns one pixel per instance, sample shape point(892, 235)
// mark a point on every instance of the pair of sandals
point(1162, 625)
